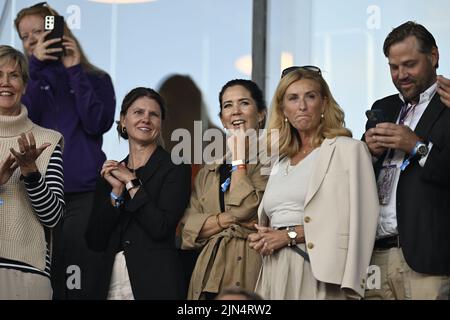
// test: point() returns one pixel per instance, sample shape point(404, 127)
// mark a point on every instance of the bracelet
point(218, 221)
point(118, 200)
point(237, 162)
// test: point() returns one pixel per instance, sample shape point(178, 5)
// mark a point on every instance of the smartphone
point(56, 25)
point(374, 117)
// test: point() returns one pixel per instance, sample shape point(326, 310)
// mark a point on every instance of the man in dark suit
point(411, 150)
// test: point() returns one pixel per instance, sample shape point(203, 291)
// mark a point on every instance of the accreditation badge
point(385, 183)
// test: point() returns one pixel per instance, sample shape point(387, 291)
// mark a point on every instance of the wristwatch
point(133, 184)
point(421, 149)
point(292, 234)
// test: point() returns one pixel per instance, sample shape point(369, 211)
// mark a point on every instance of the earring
point(124, 130)
point(285, 119)
point(321, 115)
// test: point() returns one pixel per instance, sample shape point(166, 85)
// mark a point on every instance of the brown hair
point(255, 92)
point(424, 37)
point(131, 97)
point(331, 126)
point(42, 10)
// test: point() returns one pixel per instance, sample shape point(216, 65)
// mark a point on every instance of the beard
point(413, 90)
point(415, 86)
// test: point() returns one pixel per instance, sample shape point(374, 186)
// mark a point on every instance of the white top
point(284, 198)
point(387, 221)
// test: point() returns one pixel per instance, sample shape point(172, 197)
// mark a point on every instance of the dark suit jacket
point(144, 228)
point(423, 194)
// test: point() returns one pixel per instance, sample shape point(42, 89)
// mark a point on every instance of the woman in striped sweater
point(31, 188)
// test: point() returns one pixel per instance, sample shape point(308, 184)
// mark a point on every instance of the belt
point(387, 243)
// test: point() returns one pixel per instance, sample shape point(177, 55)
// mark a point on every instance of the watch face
point(292, 234)
point(422, 150)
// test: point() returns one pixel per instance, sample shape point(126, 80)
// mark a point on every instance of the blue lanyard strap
point(227, 182)
point(408, 160)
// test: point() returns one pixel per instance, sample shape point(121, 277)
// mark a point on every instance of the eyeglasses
point(309, 68)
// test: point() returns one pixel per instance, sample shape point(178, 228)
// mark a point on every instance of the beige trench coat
point(226, 258)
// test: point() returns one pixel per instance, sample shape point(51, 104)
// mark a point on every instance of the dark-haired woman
point(223, 206)
point(134, 215)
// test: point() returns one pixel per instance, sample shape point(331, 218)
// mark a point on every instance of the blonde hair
point(331, 125)
point(8, 54)
point(45, 10)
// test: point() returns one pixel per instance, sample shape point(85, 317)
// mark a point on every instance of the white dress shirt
point(387, 223)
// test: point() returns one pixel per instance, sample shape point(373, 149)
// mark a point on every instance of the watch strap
point(133, 184)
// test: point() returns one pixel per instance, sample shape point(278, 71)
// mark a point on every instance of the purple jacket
point(81, 106)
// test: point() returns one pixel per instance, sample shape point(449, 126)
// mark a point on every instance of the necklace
point(288, 165)
point(304, 153)
point(307, 150)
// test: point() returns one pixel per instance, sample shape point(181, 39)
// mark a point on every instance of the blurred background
point(193, 47)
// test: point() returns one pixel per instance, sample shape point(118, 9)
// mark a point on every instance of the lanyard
point(404, 112)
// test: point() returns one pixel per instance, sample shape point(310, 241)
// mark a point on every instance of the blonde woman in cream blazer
point(318, 217)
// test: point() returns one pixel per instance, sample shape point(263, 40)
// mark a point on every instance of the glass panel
point(143, 44)
point(345, 39)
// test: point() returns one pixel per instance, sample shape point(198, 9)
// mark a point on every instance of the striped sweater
point(47, 199)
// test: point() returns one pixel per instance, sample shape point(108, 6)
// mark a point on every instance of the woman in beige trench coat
point(225, 199)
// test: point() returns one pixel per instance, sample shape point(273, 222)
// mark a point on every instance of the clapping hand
point(26, 157)
point(7, 168)
point(117, 175)
point(236, 144)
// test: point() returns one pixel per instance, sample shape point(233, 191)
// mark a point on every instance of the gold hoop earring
point(124, 130)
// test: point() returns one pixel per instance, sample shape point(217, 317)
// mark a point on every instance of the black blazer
point(423, 194)
point(144, 228)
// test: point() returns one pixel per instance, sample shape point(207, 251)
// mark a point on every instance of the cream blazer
point(341, 214)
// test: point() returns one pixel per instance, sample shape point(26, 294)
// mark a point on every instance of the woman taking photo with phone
point(72, 96)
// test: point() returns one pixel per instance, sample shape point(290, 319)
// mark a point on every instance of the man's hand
point(375, 148)
point(393, 136)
